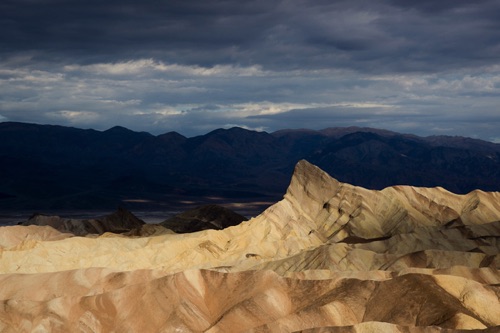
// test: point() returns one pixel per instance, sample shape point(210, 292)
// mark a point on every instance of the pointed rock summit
point(339, 210)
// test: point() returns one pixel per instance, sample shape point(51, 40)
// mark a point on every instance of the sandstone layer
point(329, 257)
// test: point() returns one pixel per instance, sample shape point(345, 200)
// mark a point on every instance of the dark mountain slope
point(44, 166)
point(376, 161)
point(203, 218)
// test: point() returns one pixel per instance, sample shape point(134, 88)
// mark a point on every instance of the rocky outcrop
point(203, 218)
point(120, 221)
point(329, 257)
point(124, 222)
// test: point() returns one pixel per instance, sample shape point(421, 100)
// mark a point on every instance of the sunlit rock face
point(329, 257)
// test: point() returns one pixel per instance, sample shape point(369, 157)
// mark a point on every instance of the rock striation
point(329, 257)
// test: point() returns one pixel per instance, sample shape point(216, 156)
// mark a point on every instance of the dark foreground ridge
point(203, 218)
point(55, 167)
point(120, 221)
point(125, 222)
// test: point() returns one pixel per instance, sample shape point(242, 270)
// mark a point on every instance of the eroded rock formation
point(203, 218)
point(329, 257)
point(120, 221)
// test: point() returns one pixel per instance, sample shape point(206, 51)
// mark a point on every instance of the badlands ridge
point(329, 257)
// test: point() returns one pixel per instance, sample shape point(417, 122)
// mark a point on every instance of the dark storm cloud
point(375, 35)
point(442, 6)
point(102, 30)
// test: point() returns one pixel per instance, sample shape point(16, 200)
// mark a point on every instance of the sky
point(427, 67)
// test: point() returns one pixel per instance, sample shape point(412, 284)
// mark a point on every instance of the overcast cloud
point(423, 67)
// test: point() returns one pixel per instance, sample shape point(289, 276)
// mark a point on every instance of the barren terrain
point(329, 257)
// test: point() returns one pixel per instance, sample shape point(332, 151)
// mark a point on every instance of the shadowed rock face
point(329, 257)
point(124, 222)
point(118, 222)
point(203, 218)
point(53, 167)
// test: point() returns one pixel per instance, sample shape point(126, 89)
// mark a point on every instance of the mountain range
point(56, 167)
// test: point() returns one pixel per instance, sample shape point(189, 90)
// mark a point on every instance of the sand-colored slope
point(378, 327)
point(16, 236)
point(328, 255)
point(199, 301)
point(316, 210)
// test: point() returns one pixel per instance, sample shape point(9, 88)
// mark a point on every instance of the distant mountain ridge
point(57, 167)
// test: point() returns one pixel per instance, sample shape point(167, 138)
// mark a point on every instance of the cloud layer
point(423, 67)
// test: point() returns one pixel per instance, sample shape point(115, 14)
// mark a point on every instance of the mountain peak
point(118, 129)
point(309, 178)
point(336, 211)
